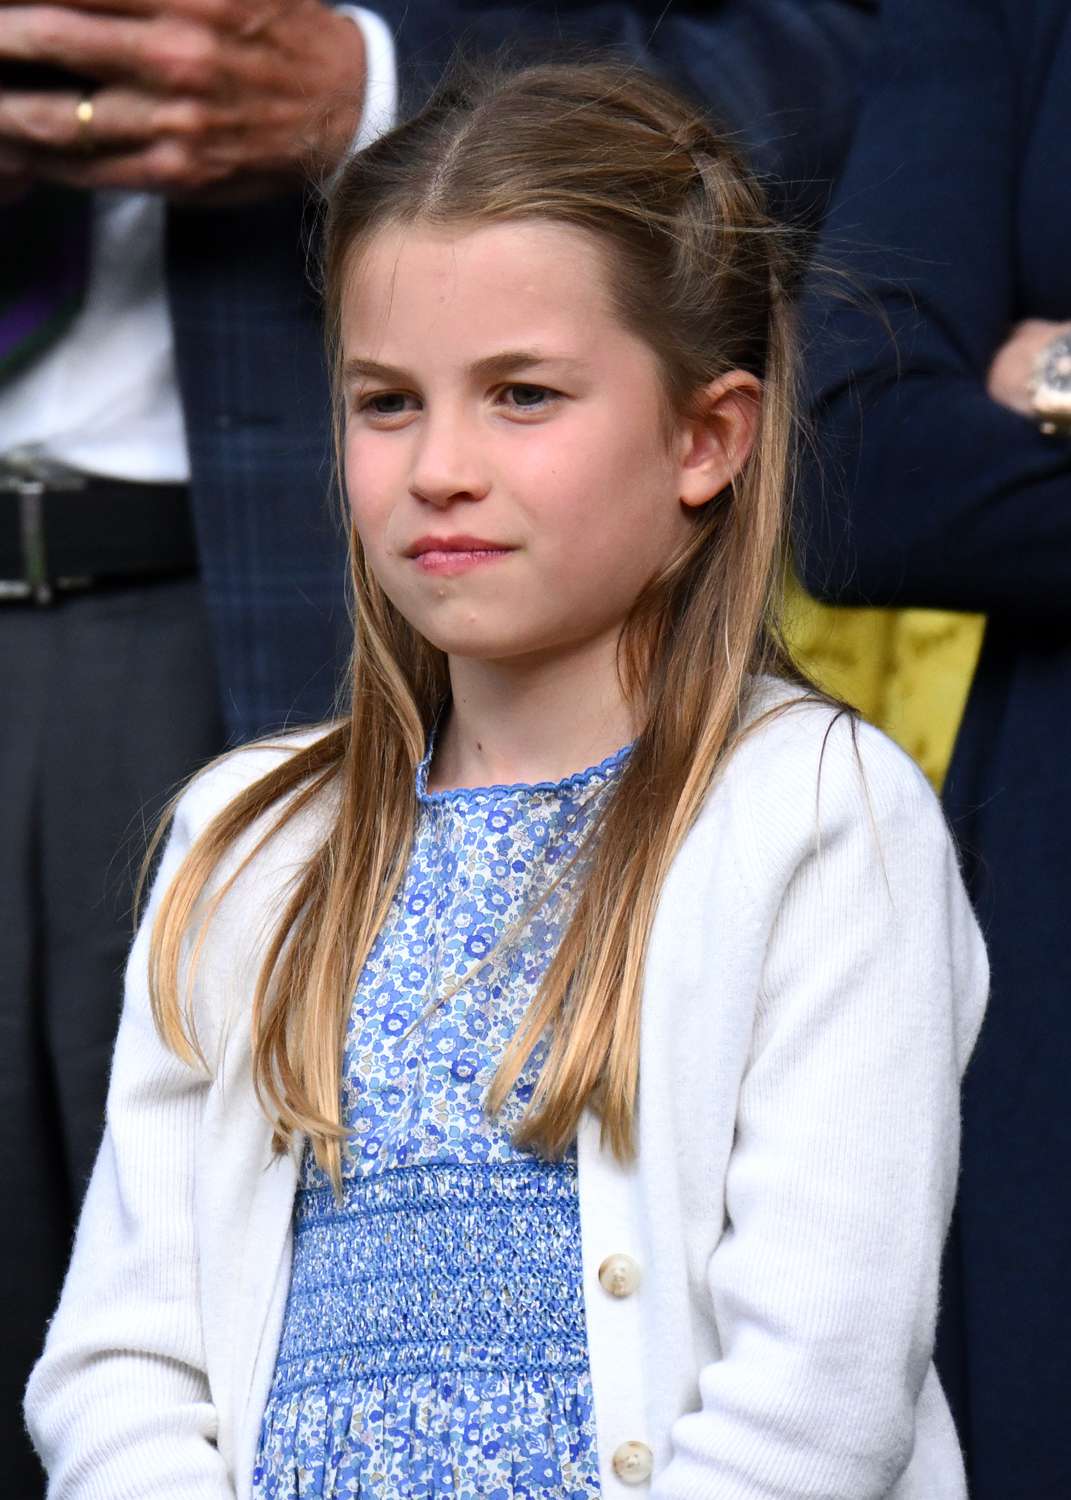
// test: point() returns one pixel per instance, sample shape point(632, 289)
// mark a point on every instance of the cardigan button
point(619, 1275)
point(633, 1462)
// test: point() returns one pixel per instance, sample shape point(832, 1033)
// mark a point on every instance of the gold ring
point(83, 113)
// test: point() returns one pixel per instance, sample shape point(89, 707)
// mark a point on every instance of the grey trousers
point(108, 700)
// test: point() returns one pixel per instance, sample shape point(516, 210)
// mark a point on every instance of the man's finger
point(229, 15)
point(58, 122)
point(171, 54)
point(110, 7)
point(166, 166)
point(132, 170)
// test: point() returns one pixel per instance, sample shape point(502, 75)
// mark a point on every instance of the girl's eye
point(530, 397)
point(385, 404)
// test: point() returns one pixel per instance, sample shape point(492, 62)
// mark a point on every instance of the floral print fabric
point(434, 1343)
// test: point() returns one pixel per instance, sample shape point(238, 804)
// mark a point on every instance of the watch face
point(1052, 392)
point(1056, 370)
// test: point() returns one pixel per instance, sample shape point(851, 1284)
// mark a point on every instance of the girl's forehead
point(506, 271)
point(436, 303)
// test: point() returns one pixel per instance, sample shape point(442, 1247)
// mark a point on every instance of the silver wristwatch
point(1050, 386)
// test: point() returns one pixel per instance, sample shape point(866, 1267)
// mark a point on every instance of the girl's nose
point(447, 466)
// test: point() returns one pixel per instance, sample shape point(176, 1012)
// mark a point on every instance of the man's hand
point(220, 99)
point(1008, 380)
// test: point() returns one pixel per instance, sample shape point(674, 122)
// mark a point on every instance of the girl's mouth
point(446, 555)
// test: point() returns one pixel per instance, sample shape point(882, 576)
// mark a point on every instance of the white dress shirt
point(105, 397)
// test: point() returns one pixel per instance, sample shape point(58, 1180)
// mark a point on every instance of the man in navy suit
point(184, 390)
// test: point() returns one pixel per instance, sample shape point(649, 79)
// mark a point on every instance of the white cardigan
point(814, 986)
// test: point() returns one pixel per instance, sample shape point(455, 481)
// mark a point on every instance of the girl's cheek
point(368, 482)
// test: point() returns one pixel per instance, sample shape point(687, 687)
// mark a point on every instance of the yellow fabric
point(907, 671)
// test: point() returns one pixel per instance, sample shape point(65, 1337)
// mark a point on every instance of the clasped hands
point(211, 99)
point(1009, 375)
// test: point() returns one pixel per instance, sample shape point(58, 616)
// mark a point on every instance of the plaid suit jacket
point(248, 342)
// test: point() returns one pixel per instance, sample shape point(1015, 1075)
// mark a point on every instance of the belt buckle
point(29, 476)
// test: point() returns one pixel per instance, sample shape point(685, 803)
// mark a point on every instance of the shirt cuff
point(381, 76)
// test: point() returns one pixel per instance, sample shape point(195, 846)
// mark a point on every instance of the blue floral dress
point(434, 1342)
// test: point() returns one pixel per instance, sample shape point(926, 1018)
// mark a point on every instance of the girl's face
point(506, 457)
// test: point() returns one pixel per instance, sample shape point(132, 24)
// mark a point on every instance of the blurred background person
point(945, 481)
point(170, 573)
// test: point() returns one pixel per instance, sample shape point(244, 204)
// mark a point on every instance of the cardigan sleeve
point(118, 1405)
point(842, 1175)
point(924, 490)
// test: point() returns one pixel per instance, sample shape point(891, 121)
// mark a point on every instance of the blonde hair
point(698, 270)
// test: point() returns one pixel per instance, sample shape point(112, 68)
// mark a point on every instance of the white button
point(619, 1275)
point(633, 1462)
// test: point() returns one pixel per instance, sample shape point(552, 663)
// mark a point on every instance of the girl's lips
point(448, 562)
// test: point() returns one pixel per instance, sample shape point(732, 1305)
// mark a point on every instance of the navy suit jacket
point(782, 72)
point(954, 218)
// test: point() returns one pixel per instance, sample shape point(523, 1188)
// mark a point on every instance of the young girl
point(544, 1081)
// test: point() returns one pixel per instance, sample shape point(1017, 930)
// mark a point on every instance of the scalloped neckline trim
point(463, 794)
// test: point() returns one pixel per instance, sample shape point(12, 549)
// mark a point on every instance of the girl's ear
point(714, 445)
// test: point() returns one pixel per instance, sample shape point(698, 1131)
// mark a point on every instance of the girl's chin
point(490, 647)
point(502, 643)
point(490, 652)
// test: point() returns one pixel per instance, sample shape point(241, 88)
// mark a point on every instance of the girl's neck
point(527, 721)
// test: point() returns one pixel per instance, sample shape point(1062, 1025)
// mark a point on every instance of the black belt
point(61, 530)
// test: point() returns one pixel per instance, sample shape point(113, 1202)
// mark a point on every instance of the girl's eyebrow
point(493, 366)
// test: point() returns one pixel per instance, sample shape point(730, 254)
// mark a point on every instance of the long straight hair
point(699, 271)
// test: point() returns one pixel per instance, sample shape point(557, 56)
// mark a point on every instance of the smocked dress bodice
point(434, 1343)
